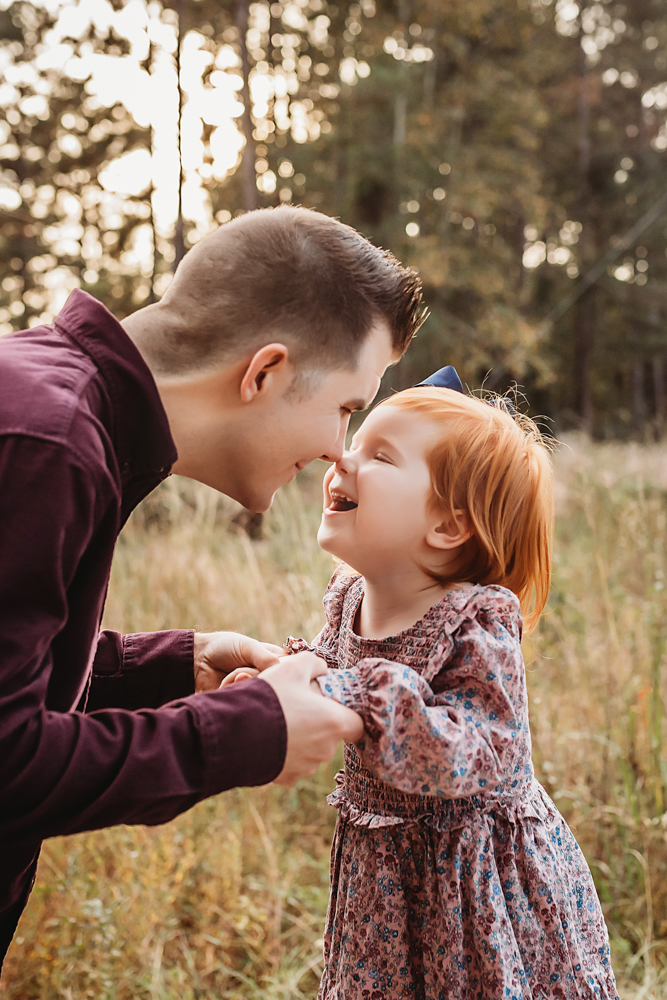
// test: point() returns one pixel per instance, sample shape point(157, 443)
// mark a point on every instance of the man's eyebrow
point(356, 404)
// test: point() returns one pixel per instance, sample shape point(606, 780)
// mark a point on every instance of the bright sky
point(152, 99)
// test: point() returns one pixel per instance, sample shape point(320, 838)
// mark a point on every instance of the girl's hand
point(240, 674)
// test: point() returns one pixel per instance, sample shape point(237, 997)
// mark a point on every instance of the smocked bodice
point(444, 704)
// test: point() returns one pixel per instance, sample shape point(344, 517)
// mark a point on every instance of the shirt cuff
point(245, 733)
point(142, 669)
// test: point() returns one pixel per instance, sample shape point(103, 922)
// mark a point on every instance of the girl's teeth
point(341, 503)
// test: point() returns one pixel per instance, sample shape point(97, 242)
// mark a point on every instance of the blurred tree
point(435, 154)
point(285, 56)
point(502, 147)
point(603, 169)
point(60, 228)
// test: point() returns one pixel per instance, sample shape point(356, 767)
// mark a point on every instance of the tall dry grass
point(597, 683)
point(228, 900)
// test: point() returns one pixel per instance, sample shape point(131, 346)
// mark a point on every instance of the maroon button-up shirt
point(95, 731)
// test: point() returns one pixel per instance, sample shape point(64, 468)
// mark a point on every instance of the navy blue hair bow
point(446, 378)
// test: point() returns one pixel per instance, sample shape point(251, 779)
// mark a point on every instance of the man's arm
point(150, 669)
point(60, 771)
point(141, 670)
point(63, 771)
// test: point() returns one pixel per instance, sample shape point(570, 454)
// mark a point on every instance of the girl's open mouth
point(340, 503)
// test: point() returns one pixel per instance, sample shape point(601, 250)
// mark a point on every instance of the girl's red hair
point(497, 468)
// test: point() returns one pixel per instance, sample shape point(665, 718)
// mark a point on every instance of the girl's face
point(377, 514)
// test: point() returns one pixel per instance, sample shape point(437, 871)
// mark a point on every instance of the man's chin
point(260, 500)
point(257, 503)
point(258, 506)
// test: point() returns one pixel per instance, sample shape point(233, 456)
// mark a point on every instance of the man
point(274, 329)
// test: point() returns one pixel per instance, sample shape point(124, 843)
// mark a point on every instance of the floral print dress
point(453, 875)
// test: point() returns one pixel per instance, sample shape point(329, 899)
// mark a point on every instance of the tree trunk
point(179, 233)
point(584, 336)
point(584, 323)
point(638, 406)
point(152, 297)
point(400, 116)
point(658, 366)
point(248, 161)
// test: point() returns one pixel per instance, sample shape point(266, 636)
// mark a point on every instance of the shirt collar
point(140, 430)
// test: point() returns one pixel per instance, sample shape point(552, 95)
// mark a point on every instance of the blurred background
point(513, 151)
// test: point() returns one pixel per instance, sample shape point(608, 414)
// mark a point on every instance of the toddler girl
point(453, 876)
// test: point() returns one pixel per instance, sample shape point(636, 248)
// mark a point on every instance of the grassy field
point(228, 900)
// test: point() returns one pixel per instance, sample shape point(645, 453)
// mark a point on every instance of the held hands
point(315, 724)
point(220, 657)
point(243, 674)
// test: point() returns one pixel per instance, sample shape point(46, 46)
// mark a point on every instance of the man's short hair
point(289, 274)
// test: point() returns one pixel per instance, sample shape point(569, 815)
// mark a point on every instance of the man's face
point(283, 435)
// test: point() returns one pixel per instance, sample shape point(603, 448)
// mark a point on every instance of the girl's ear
point(449, 531)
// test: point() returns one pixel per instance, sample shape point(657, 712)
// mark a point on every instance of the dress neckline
point(434, 614)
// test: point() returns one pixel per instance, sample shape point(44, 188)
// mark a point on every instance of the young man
point(274, 329)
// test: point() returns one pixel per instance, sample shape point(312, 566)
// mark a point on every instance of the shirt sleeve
point(141, 670)
point(450, 744)
point(63, 771)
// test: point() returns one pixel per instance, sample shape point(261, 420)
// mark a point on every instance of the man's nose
point(345, 464)
point(336, 453)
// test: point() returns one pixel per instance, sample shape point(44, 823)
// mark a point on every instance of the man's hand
point(218, 653)
point(315, 724)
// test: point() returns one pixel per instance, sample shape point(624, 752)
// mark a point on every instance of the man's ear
point(264, 366)
point(449, 531)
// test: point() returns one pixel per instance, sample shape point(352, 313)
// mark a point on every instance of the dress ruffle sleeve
point(449, 737)
point(325, 643)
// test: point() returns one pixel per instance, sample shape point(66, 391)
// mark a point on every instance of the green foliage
point(542, 149)
point(428, 144)
point(501, 147)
